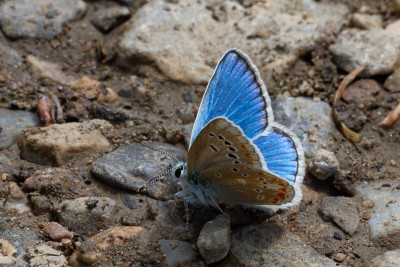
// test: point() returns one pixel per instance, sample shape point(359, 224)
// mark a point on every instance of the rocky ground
point(81, 81)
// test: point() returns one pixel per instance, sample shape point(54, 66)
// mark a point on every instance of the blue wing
point(237, 92)
point(282, 152)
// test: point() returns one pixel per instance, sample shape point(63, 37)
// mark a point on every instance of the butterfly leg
point(215, 204)
point(176, 196)
point(185, 202)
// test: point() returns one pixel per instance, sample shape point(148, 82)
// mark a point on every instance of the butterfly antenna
point(158, 150)
point(156, 179)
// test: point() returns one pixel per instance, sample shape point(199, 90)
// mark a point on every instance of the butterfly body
point(237, 153)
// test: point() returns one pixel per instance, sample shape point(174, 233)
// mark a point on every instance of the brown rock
point(48, 71)
point(362, 92)
point(44, 181)
point(57, 232)
point(56, 144)
point(40, 204)
point(93, 89)
point(97, 248)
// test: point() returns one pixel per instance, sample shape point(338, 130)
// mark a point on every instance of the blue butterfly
point(237, 153)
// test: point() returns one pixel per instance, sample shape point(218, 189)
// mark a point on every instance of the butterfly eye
point(178, 172)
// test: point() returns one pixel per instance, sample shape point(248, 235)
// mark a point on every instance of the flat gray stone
point(387, 259)
point(383, 205)
point(12, 122)
point(21, 238)
point(271, 245)
point(175, 35)
point(344, 211)
point(38, 18)
point(375, 49)
point(86, 214)
point(44, 255)
point(310, 120)
point(177, 253)
point(214, 239)
point(131, 167)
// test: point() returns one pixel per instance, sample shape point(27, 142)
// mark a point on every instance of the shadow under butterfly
point(237, 153)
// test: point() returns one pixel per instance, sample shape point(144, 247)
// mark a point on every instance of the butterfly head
point(179, 170)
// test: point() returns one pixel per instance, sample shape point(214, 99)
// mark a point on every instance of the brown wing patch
point(221, 143)
point(248, 185)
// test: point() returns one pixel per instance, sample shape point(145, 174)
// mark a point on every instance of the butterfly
point(237, 153)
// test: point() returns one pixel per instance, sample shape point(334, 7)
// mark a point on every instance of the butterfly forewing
point(245, 184)
point(221, 143)
point(237, 92)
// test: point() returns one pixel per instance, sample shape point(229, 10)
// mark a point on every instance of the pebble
point(97, 248)
point(387, 259)
point(86, 214)
point(48, 181)
point(362, 91)
point(344, 211)
point(43, 19)
point(105, 20)
point(131, 167)
point(44, 255)
point(8, 253)
point(339, 257)
point(383, 204)
point(54, 145)
point(324, 164)
point(343, 185)
point(392, 83)
point(375, 49)
point(177, 253)
point(267, 245)
point(148, 35)
point(57, 232)
point(214, 239)
point(94, 90)
point(40, 204)
point(5, 176)
point(44, 70)
point(337, 236)
point(366, 21)
point(12, 123)
point(16, 199)
point(310, 120)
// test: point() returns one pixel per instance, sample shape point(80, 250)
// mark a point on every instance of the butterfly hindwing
point(247, 185)
point(237, 92)
point(282, 152)
point(230, 166)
